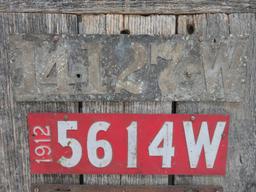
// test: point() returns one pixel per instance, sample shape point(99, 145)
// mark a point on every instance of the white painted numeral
point(93, 144)
point(166, 151)
point(42, 140)
point(63, 127)
point(132, 145)
point(139, 61)
point(42, 150)
point(43, 160)
point(203, 141)
point(94, 69)
point(42, 131)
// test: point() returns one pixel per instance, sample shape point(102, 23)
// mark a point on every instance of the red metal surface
point(46, 150)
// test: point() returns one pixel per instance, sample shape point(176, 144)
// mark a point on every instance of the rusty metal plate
point(86, 188)
point(123, 67)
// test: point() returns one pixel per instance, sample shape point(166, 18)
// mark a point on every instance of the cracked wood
point(127, 68)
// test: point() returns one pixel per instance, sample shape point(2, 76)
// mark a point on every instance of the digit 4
point(166, 151)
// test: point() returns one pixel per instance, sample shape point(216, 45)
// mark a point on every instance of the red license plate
point(128, 143)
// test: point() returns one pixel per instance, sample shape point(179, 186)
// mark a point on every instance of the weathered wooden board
point(110, 24)
point(242, 146)
point(164, 25)
point(96, 188)
point(13, 127)
point(128, 6)
point(5, 115)
point(147, 108)
point(111, 27)
point(124, 68)
point(241, 164)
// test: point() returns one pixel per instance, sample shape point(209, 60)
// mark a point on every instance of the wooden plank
point(13, 116)
point(146, 107)
point(102, 107)
point(96, 188)
point(128, 68)
point(202, 25)
point(127, 107)
point(7, 143)
point(128, 6)
point(241, 162)
point(101, 24)
point(38, 23)
point(99, 106)
point(114, 23)
point(93, 24)
point(163, 25)
point(136, 24)
point(21, 132)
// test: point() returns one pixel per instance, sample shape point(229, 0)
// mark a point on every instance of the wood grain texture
point(7, 143)
point(101, 24)
point(150, 25)
point(114, 23)
point(38, 23)
point(241, 164)
point(98, 26)
point(97, 188)
point(22, 146)
point(14, 137)
point(128, 6)
point(206, 26)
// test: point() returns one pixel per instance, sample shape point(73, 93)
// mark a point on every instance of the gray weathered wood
point(206, 26)
point(241, 164)
point(242, 148)
point(163, 25)
point(128, 68)
point(7, 143)
point(40, 23)
point(101, 24)
point(99, 106)
point(128, 6)
point(125, 107)
point(13, 116)
point(22, 146)
point(138, 25)
point(96, 188)
point(110, 24)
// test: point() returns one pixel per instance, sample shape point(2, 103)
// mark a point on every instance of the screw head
point(65, 117)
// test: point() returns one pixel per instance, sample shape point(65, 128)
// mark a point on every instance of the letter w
point(203, 140)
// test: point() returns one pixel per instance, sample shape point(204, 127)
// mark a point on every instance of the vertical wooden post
point(241, 158)
point(13, 123)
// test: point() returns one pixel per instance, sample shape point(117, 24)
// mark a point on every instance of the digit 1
point(43, 160)
point(132, 145)
point(94, 70)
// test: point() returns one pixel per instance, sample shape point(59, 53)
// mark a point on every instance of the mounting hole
point(190, 28)
point(78, 76)
point(125, 31)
